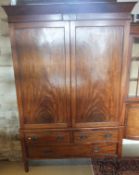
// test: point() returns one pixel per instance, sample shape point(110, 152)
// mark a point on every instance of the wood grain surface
point(60, 151)
point(42, 58)
point(90, 136)
point(96, 72)
point(70, 76)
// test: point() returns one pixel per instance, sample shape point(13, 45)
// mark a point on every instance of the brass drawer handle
point(96, 149)
point(60, 138)
point(107, 135)
point(82, 137)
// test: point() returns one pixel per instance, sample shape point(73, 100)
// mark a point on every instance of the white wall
point(9, 124)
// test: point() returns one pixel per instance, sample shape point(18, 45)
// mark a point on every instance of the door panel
point(96, 69)
point(43, 61)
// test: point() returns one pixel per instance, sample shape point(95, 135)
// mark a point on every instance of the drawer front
point(63, 151)
point(48, 137)
point(84, 137)
point(104, 149)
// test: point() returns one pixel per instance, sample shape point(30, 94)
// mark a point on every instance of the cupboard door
point(41, 62)
point(96, 72)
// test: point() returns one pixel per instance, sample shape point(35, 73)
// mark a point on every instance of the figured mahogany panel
point(96, 72)
point(132, 121)
point(42, 59)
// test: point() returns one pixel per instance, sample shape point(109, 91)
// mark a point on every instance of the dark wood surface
point(60, 151)
point(111, 7)
point(48, 137)
point(59, 1)
point(43, 62)
point(96, 71)
point(82, 137)
point(68, 151)
point(64, 87)
point(70, 63)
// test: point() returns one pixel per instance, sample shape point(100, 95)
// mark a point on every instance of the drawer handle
point(82, 137)
point(33, 138)
point(60, 138)
point(96, 149)
point(107, 135)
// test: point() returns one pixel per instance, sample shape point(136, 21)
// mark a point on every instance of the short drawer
point(91, 136)
point(63, 151)
point(104, 149)
point(47, 137)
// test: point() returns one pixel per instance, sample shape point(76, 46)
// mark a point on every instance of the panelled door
point(68, 73)
point(42, 70)
point(96, 59)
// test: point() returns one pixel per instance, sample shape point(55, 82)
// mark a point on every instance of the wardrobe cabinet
point(70, 72)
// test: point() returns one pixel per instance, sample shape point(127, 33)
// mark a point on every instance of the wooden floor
point(59, 167)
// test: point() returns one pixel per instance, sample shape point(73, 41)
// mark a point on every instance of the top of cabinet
point(30, 2)
point(99, 7)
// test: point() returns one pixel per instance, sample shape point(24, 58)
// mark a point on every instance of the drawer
point(63, 151)
point(90, 136)
point(104, 149)
point(47, 137)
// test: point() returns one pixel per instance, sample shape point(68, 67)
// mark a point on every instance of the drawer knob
point(29, 138)
point(96, 149)
point(82, 137)
point(107, 135)
point(33, 138)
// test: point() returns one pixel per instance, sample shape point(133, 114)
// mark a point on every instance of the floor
point(51, 167)
point(63, 167)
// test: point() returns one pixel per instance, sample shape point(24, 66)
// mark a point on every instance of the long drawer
point(95, 136)
point(60, 151)
point(47, 137)
point(65, 151)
